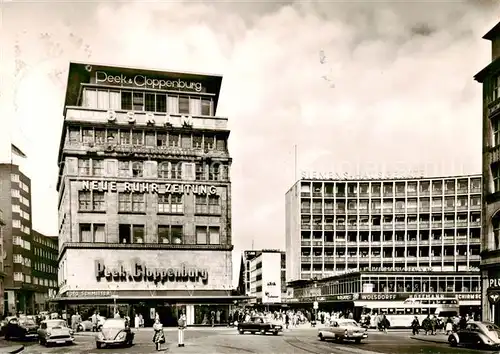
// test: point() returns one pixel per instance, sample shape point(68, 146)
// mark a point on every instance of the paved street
point(228, 341)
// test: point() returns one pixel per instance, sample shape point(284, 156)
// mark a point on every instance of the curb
point(12, 349)
point(430, 340)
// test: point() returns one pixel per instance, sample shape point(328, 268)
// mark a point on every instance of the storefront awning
point(121, 298)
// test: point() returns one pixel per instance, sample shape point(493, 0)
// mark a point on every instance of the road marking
point(357, 351)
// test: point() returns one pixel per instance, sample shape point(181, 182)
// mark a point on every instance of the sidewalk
point(438, 338)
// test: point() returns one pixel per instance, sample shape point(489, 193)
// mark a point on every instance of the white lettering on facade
point(145, 81)
point(147, 187)
point(362, 176)
point(494, 282)
point(140, 272)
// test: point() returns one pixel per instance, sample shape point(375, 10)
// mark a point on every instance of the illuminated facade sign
point(361, 176)
point(147, 187)
point(102, 77)
point(138, 271)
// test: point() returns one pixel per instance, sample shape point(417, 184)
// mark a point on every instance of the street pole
point(493, 313)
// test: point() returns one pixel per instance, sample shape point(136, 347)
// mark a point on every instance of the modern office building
point(429, 225)
point(144, 194)
point(44, 270)
point(15, 202)
point(489, 77)
point(263, 273)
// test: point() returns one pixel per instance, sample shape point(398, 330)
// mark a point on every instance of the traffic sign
point(493, 297)
point(315, 305)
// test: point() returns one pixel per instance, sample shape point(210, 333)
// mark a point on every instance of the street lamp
point(114, 302)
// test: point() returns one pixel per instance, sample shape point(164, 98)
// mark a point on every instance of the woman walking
point(159, 336)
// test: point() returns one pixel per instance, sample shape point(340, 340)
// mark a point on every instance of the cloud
point(398, 85)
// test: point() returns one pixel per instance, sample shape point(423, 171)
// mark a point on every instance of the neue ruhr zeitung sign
point(147, 187)
point(102, 77)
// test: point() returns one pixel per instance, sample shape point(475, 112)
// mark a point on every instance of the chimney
point(494, 36)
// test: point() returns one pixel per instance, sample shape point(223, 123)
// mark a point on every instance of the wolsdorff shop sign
point(138, 271)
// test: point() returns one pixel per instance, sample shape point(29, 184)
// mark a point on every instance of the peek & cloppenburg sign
point(102, 77)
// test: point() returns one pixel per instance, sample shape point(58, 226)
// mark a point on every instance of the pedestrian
point(137, 321)
point(94, 321)
point(182, 326)
point(415, 325)
point(159, 336)
point(449, 326)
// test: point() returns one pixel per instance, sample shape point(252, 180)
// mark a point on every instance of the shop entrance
point(168, 313)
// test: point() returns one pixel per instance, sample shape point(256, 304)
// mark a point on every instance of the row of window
point(136, 202)
point(18, 276)
point(16, 223)
point(15, 194)
point(146, 101)
point(17, 209)
point(136, 234)
point(42, 267)
point(14, 177)
point(19, 259)
point(165, 169)
point(423, 251)
point(401, 220)
point(45, 254)
point(389, 188)
point(136, 137)
point(46, 242)
point(340, 206)
point(18, 241)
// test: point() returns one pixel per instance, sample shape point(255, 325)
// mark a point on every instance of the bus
point(401, 313)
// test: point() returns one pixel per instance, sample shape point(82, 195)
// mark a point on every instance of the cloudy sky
point(369, 86)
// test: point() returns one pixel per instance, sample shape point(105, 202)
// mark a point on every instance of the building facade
point(44, 270)
point(2, 273)
point(263, 274)
point(489, 77)
point(145, 195)
point(418, 225)
point(15, 202)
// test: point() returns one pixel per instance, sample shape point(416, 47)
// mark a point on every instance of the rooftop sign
point(102, 77)
point(345, 176)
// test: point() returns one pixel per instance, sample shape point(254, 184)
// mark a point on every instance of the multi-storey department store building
point(489, 77)
point(411, 236)
point(144, 195)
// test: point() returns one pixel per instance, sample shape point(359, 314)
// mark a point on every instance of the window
point(214, 235)
point(163, 169)
point(176, 203)
point(131, 202)
point(112, 136)
point(221, 144)
point(206, 107)
point(17, 258)
point(14, 177)
point(176, 171)
point(74, 135)
point(16, 224)
point(98, 167)
point(200, 172)
point(495, 171)
point(150, 105)
point(495, 88)
point(137, 138)
point(83, 167)
point(100, 136)
point(18, 276)
point(138, 233)
point(87, 136)
point(161, 140)
point(124, 168)
point(214, 172)
point(91, 200)
point(126, 100)
point(209, 142)
point(170, 203)
point(17, 240)
point(214, 204)
point(27, 245)
point(138, 102)
point(173, 140)
point(15, 193)
point(197, 141)
point(161, 103)
point(150, 139)
point(496, 231)
point(16, 208)
point(170, 234)
point(85, 233)
point(137, 169)
point(201, 235)
point(184, 105)
point(125, 137)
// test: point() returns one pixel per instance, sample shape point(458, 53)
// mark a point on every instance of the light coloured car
point(343, 329)
point(115, 331)
point(477, 334)
point(87, 325)
point(54, 332)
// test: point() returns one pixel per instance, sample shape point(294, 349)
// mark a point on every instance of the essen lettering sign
point(138, 271)
point(147, 187)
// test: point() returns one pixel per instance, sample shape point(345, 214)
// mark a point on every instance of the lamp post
point(114, 302)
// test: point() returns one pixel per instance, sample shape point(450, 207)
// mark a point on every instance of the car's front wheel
point(79, 328)
point(453, 341)
point(241, 331)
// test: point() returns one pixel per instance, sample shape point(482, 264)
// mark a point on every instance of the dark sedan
point(22, 328)
point(114, 331)
point(477, 334)
point(261, 325)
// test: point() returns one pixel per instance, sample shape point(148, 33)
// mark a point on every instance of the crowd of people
point(432, 325)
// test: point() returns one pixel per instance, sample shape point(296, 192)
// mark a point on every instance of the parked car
point(54, 332)
point(87, 325)
point(260, 324)
point(23, 328)
point(477, 334)
point(343, 329)
point(114, 331)
point(3, 324)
